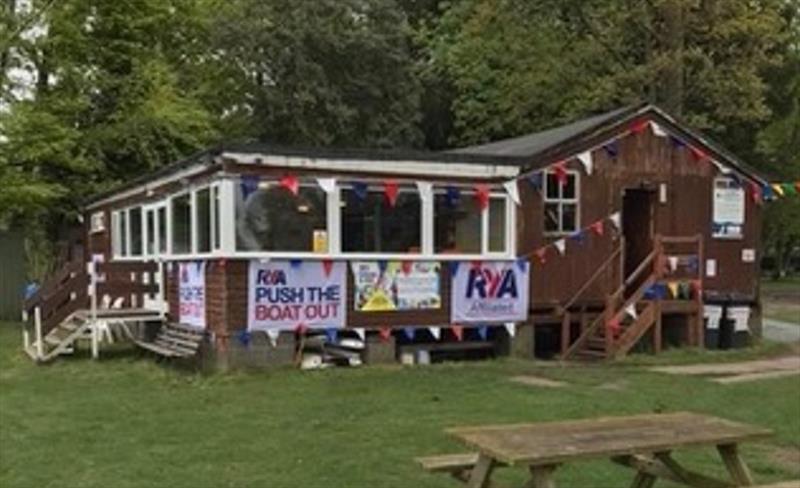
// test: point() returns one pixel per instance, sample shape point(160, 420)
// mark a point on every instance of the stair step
point(160, 341)
point(180, 341)
point(592, 353)
point(179, 334)
point(52, 340)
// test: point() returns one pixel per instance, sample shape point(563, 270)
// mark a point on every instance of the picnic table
point(641, 442)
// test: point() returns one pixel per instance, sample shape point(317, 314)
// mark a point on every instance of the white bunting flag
point(722, 169)
point(425, 190)
point(513, 190)
point(511, 328)
point(273, 335)
point(658, 130)
point(561, 245)
point(361, 333)
point(673, 262)
point(587, 161)
point(436, 332)
point(616, 219)
point(327, 184)
point(631, 311)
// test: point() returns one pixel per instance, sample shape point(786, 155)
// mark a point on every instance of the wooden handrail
point(591, 280)
point(635, 275)
point(589, 332)
point(681, 239)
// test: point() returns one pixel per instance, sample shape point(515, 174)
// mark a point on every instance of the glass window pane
point(203, 219)
point(123, 233)
point(181, 224)
point(551, 217)
point(457, 225)
point(372, 225)
point(215, 204)
point(152, 241)
point(497, 225)
point(162, 230)
point(569, 217)
point(136, 231)
point(570, 187)
point(552, 186)
point(273, 219)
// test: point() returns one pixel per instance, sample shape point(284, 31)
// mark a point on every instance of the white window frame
point(560, 200)
point(377, 188)
point(226, 221)
point(155, 207)
point(120, 235)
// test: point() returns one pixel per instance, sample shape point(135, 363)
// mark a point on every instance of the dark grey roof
point(532, 144)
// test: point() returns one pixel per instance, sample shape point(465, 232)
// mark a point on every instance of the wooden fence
point(12, 274)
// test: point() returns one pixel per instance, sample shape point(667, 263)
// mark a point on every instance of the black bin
point(725, 331)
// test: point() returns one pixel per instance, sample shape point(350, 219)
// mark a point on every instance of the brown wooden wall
point(644, 160)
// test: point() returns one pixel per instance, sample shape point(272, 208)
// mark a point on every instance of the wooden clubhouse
point(618, 232)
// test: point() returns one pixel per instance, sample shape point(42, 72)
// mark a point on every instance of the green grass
point(790, 283)
point(126, 421)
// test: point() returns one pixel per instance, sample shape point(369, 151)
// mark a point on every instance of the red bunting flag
point(406, 267)
point(291, 183)
point(301, 329)
point(755, 192)
point(327, 266)
point(222, 263)
point(698, 154)
point(560, 169)
point(385, 333)
point(598, 227)
point(390, 189)
point(458, 331)
point(541, 255)
point(697, 286)
point(613, 327)
point(476, 263)
point(639, 126)
point(482, 196)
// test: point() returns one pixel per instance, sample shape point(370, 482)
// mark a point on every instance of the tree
point(327, 72)
point(518, 66)
point(112, 97)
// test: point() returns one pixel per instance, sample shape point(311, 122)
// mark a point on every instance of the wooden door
point(638, 206)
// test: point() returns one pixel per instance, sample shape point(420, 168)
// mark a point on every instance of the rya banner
point(493, 291)
point(192, 293)
point(286, 295)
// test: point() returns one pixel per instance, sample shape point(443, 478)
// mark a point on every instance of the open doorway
point(638, 227)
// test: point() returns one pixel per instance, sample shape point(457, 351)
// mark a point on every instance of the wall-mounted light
point(662, 192)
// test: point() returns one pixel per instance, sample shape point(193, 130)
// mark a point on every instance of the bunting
point(511, 328)
point(482, 196)
point(561, 246)
point(361, 333)
point(272, 335)
point(385, 333)
point(458, 331)
point(512, 189)
point(436, 332)
point(291, 183)
point(328, 185)
point(616, 219)
point(391, 189)
point(587, 161)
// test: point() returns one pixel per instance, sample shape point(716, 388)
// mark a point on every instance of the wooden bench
point(458, 466)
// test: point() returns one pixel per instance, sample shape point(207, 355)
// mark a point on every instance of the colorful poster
point(287, 294)
point(396, 285)
point(728, 218)
point(486, 292)
point(192, 293)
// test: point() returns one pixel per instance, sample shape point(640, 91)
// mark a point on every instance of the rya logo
point(488, 283)
point(271, 277)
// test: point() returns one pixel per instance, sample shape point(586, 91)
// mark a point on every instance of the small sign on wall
point(97, 222)
point(711, 268)
point(748, 255)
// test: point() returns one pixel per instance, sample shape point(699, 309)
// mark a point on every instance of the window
point(181, 210)
point(497, 225)
point(273, 219)
point(135, 235)
point(127, 236)
point(216, 243)
point(371, 225)
point(203, 220)
point(458, 224)
point(561, 204)
point(460, 227)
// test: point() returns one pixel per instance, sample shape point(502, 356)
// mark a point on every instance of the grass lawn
point(781, 299)
point(126, 421)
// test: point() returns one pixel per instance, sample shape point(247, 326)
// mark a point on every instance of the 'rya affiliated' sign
point(192, 292)
point(494, 291)
point(285, 295)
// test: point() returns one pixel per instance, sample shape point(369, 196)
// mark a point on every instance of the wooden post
point(735, 464)
point(565, 332)
point(93, 297)
point(657, 328)
point(584, 320)
point(37, 324)
point(162, 288)
point(609, 313)
point(479, 478)
point(542, 476)
point(698, 299)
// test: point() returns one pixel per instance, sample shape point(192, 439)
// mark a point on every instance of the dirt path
point(785, 363)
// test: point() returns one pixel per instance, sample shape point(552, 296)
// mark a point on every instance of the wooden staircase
point(65, 309)
point(626, 321)
point(174, 341)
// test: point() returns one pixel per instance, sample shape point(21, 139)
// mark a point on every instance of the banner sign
point(396, 285)
point(192, 293)
point(285, 294)
point(493, 291)
point(728, 217)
